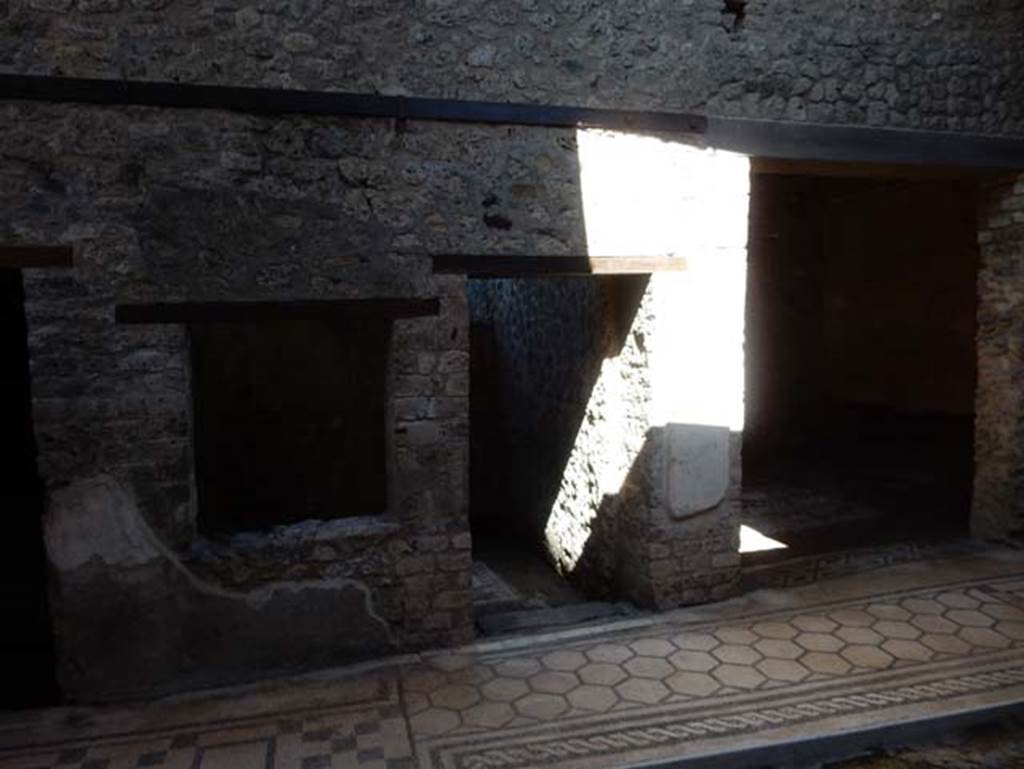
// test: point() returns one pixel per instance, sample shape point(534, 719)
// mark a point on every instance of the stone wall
point(949, 65)
point(169, 205)
point(174, 205)
point(998, 506)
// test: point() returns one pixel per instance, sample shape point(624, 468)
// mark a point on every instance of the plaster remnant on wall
point(96, 518)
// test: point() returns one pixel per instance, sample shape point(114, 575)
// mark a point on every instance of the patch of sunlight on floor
point(753, 541)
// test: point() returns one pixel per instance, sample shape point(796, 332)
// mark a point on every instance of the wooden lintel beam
point(864, 144)
point(755, 138)
point(784, 167)
point(295, 101)
point(261, 312)
point(21, 257)
point(511, 266)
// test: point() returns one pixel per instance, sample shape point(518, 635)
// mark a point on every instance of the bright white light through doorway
point(753, 541)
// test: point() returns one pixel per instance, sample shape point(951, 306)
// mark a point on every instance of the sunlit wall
point(682, 362)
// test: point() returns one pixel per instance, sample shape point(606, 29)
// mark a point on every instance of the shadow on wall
point(531, 390)
point(623, 506)
point(587, 388)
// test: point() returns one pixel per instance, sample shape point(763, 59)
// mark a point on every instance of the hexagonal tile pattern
point(541, 706)
point(459, 691)
point(852, 617)
point(890, 612)
point(926, 606)
point(455, 697)
point(898, 646)
point(601, 673)
point(907, 650)
point(902, 630)
point(736, 654)
point(697, 642)
point(858, 635)
point(819, 642)
point(518, 668)
point(649, 667)
point(693, 684)
point(945, 644)
point(969, 618)
point(810, 623)
point(929, 623)
point(782, 631)
point(734, 635)
point(610, 653)
point(553, 682)
point(825, 662)
point(783, 650)
point(564, 661)
point(642, 690)
point(957, 601)
point(699, 662)
point(984, 637)
point(595, 698)
point(434, 721)
point(738, 676)
point(505, 689)
point(1003, 611)
point(1011, 629)
point(783, 670)
point(867, 657)
point(652, 647)
point(489, 715)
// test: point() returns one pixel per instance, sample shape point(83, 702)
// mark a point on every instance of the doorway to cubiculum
point(861, 361)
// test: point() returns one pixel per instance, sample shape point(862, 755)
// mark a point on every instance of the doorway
point(538, 346)
point(26, 646)
point(860, 361)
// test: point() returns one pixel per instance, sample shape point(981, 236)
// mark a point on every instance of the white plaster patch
point(96, 518)
point(697, 468)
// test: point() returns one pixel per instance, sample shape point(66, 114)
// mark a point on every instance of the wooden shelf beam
point(262, 312)
point(510, 266)
point(20, 257)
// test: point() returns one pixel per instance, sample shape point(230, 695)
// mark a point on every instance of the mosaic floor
point(907, 642)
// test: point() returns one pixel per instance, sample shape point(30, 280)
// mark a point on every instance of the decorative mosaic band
point(536, 753)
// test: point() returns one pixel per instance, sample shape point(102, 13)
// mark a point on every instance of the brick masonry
point(998, 506)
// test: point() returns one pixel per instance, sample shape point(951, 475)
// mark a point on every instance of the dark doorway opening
point(290, 421)
point(537, 347)
point(26, 645)
point(860, 361)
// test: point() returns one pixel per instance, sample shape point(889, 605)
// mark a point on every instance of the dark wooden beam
point(258, 312)
point(783, 167)
point(757, 138)
point(281, 100)
point(20, 257)
point(856, 144)
point(510, 266)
